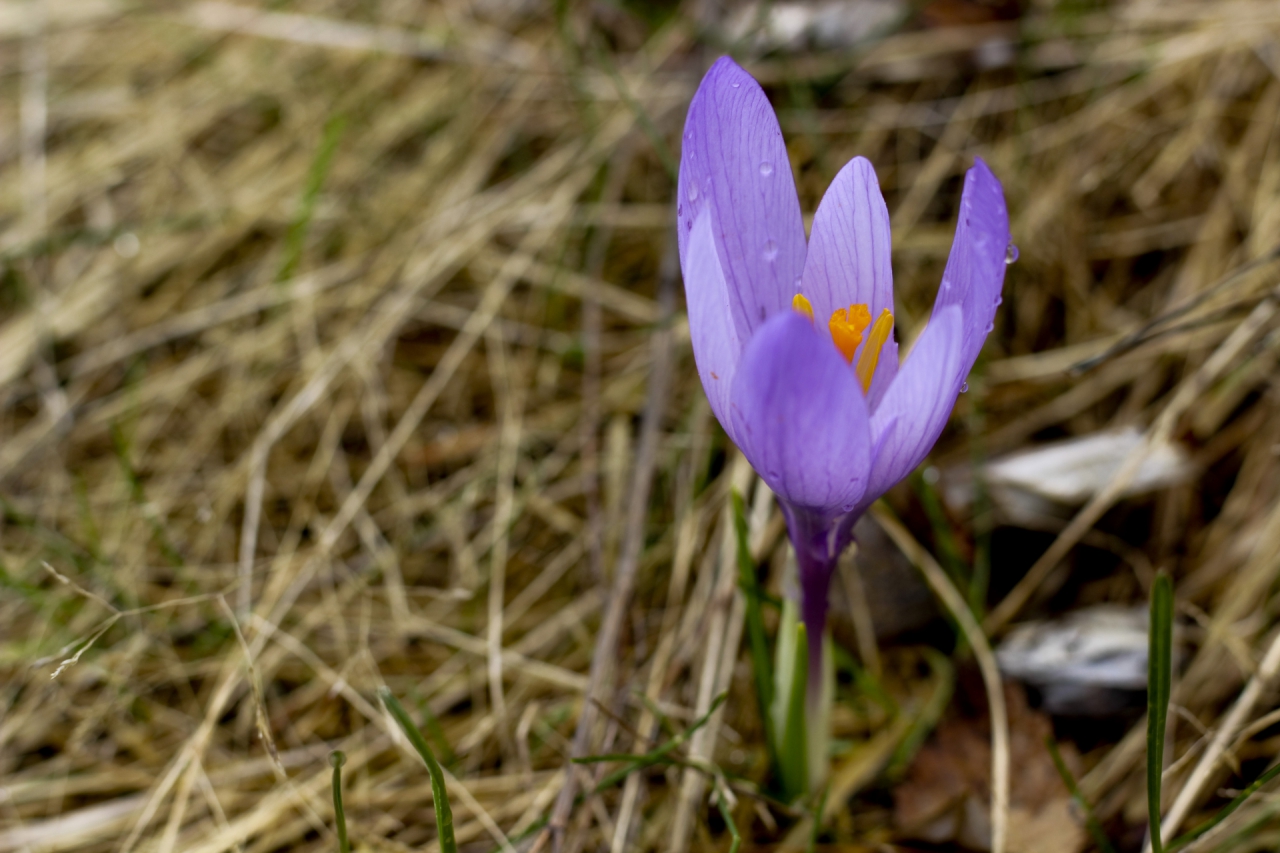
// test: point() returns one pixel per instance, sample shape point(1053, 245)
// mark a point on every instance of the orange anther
point(847, 327)
point(876, 339)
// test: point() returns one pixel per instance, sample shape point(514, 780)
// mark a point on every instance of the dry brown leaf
point(946, 797)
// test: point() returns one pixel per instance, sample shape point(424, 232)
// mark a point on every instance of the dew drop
point(693, 192)
point(766, 168)
point(964, 387)
point(770, 250)
point(1010, 254)
point(736, 85)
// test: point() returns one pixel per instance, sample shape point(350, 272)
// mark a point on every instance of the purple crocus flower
point(794, 343)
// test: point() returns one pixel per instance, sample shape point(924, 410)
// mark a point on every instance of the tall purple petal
point(975, 269)
point(849, 246)
point(716, 344)
point(734, 164)
point(849, 259)
point(800, 418)
point(916, 407)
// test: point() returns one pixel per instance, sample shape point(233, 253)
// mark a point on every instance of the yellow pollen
point(801, 306)
point(847, 328)
point(876, 339)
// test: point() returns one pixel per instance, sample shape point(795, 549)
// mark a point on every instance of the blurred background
point(342, 345)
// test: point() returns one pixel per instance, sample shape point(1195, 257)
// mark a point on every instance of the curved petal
point(800, 417)
point(734, 163)
point(849, 246)
point(849, 259)
point(916, 407)
point(716, 345)
point(975, 269)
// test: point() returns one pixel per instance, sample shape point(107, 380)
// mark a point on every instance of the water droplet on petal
point(693, 192)
point(964, 387)
point(770, 250)
point(1010, 254)
point(766, 168)
point(736, 85)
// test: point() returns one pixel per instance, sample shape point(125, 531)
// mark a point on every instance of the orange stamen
point(876, 340)
point(802, 306)
point(847, 327)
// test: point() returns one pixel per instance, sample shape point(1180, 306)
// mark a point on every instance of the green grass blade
point(648, 759)
point(1187, 838)
point(1090, 819)
point(926, 719)
point(729, 822)
point(756, 640)
point(948, 549)
point(793, 749)
point(1159, 681)
point(296, 238)
point(434, 731)
point(337, 758)
point(815, 827)
point(439, 796)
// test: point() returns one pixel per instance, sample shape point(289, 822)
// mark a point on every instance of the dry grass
point(343, 346)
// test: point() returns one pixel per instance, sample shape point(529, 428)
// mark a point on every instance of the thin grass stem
point(1159, 681)
point(439, 795)
point(337, 758)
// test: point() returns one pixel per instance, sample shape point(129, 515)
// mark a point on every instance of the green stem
point(439, 795)
point(337, 758)
point(1159, 681)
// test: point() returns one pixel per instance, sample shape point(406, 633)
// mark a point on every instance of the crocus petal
point(916, 407)
point(716, 345)
point(848, 261)
point(800, 418)
point(975, 269)
point(734, 163)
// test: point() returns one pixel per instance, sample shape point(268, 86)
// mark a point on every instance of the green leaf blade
point(439, 794)
point(1159, 685)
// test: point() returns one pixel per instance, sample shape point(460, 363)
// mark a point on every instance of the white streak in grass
point(1186, 394)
